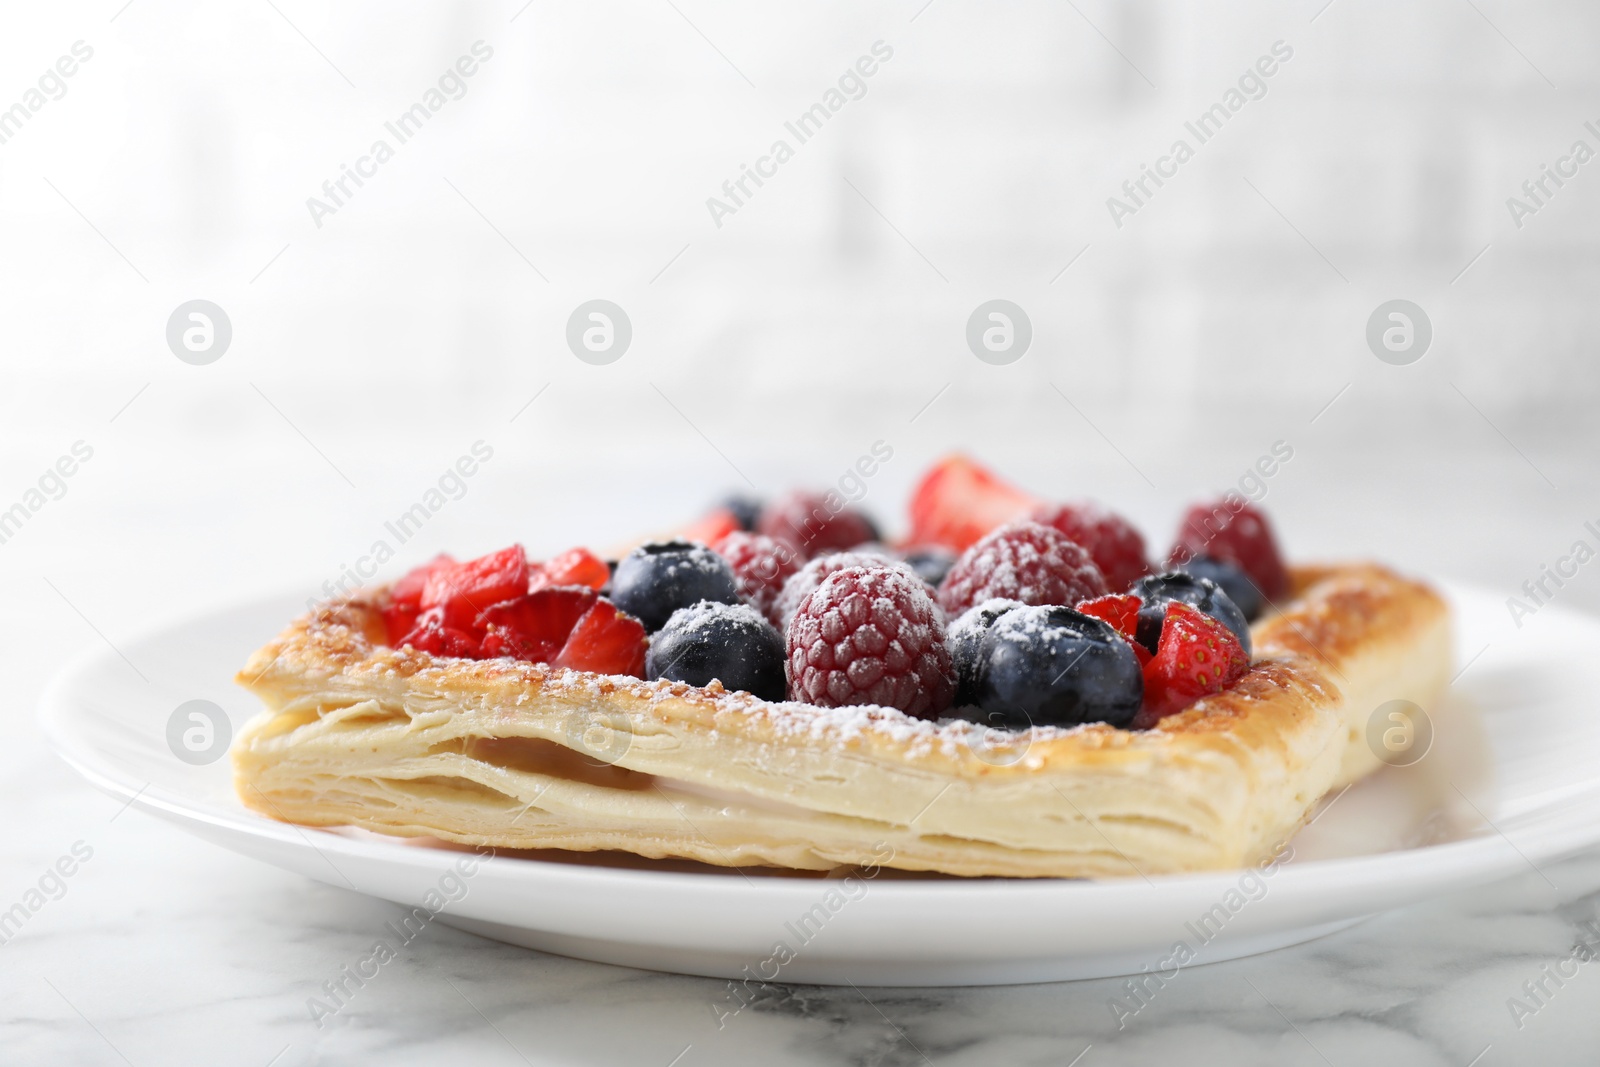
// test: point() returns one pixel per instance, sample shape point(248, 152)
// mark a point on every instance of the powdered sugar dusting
point(698, 618)
point(761, 566)
point(870, 634)
point(806, 580)
point(703, 562)
point(1024, 561)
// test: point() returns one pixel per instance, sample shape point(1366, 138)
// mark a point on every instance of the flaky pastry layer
point(527, 756)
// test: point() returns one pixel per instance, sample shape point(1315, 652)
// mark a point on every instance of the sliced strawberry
point(408, 590)
point(710, 528)
point(398, 620)
point(1121, 610)
point(957, 502)
point(534, 626)
point(506, 644)
point(405, 597)
point(433, 635)
point(1237, 532)
point(464, 590)
point(576, 566)
point(606, 641)
point(1197, 656)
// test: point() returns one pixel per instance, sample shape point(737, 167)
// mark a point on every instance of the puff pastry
point(525, 756)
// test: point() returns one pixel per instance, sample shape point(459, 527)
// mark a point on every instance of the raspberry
point(870, 635)
point(805, 581)
point(816, 523)
point(1197, 656)
point(761, 565)
point(1117, 547)
point(1023, 561)
point(957, 502)
point(1236, 532)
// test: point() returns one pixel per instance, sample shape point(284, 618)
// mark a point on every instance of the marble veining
point(165, 950)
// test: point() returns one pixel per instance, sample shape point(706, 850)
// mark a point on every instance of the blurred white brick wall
point(990, 142)
point(808, 325)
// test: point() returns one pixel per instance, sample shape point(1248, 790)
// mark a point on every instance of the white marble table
point(165, 950)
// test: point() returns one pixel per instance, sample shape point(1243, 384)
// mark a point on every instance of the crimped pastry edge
point(738, 781)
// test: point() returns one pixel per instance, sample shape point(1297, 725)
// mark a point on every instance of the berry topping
point(408, 590)
point(1234, 531)
point(1197, 656)
point(931, 562)
point(577, 566)
point(1121, 610)
point(746, 509)
point(806, 580)
point(958, 502)
point(535, 626)
point(1235, 582)
point(964, 639)
point(710, 528)
point(816, 523)
point(605, 641)
point(761, 565)
point(1200, 593)
point(1053, 666)
point(434, 636)
point(658, 578)
point(405, 598)
point(1023, 561)
point(1116, 546)
point(464, 590)
point(732, 644)
point(870, 635)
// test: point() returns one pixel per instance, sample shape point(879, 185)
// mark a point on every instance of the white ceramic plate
point(1509, 782)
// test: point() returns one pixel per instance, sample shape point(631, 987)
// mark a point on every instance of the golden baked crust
point(519, 755)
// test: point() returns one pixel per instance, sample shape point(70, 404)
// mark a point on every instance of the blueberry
point(931, 562)
point(964, 639)
point(656, 579)
point(1200, 593)
point(747, 509)
point(1235, 582)
point(730, 643)
point(1053, 666)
